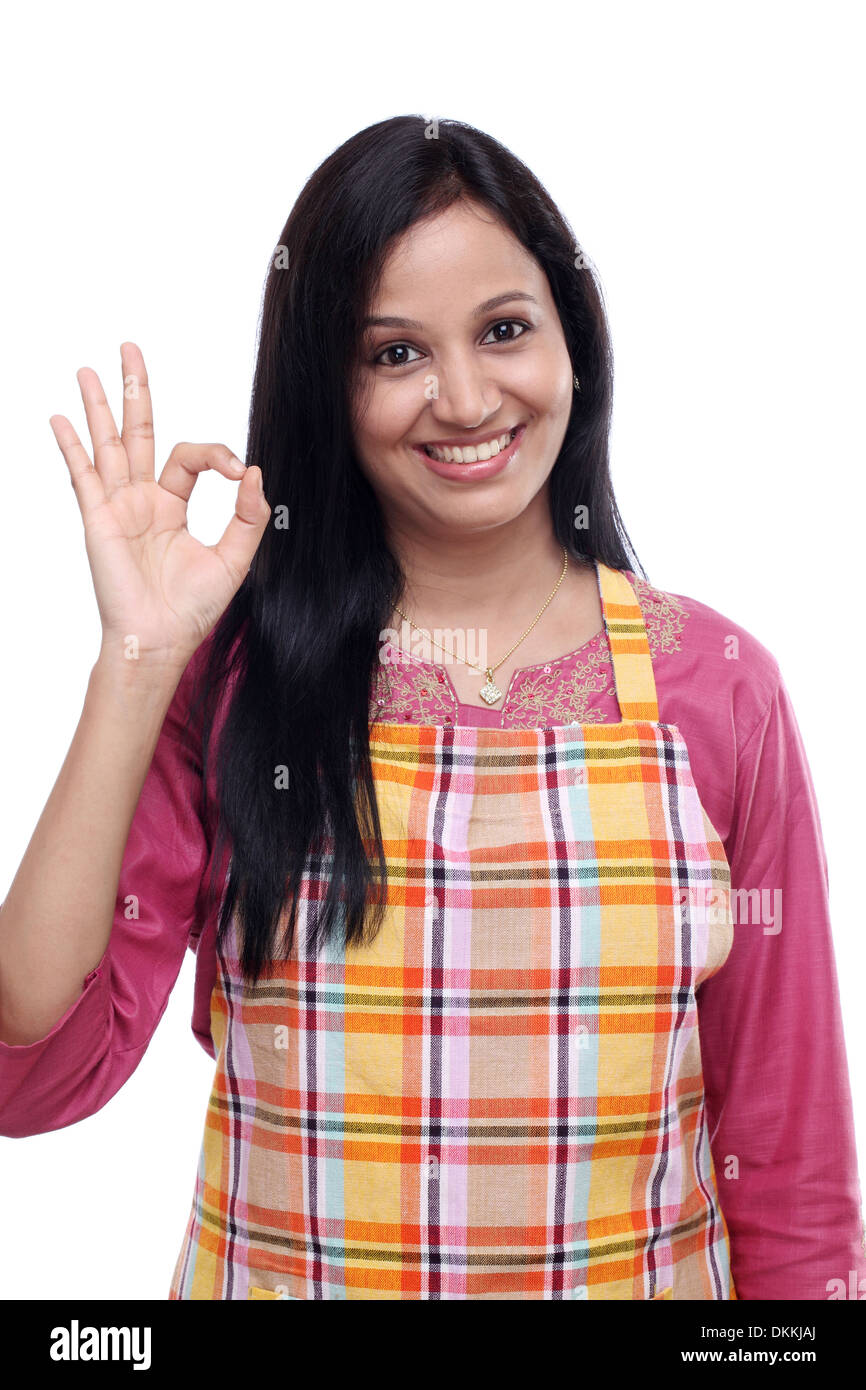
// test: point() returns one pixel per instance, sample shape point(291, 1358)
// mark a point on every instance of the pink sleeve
point(97, 1044)
point(775, 1068)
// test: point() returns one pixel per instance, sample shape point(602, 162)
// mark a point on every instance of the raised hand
point(159, 591)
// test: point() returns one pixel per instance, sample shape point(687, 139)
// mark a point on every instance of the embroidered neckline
point(551, 661)
point(538, 695)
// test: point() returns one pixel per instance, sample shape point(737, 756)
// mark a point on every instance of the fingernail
point(260, 482)
point(236, 464)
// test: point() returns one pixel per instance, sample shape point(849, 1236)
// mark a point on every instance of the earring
point(576, 384)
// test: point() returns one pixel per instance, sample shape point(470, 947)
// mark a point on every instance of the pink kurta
point(774, 1065)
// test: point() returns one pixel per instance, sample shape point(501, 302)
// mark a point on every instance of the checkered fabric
point(500, 1096)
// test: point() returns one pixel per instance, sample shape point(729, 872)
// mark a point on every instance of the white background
point(709, 159)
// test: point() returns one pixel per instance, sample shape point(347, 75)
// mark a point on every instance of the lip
point(470, 472)
point(460, 443)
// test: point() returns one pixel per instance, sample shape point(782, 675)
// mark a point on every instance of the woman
point(448, 801)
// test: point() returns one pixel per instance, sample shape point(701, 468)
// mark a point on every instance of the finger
point(109, 454)
point(239, 541)
point(83, 476)
point(186, 461)
point(137, 432)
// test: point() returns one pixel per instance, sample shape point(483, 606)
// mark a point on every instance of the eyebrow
point(485, 308)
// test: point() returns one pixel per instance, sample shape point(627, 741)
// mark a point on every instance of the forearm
point(56, 919)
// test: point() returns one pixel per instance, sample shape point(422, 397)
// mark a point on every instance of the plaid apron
point(500, 1097)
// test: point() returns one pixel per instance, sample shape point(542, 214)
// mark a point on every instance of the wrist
point(154, 679)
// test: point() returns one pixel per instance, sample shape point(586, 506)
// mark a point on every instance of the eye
point(393, 347)
point(504, 323)
point(405, 347)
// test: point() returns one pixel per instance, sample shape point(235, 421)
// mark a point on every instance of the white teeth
point(472, 453)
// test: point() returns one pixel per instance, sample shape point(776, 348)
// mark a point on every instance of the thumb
point(239, 541)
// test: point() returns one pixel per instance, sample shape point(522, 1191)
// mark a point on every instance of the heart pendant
point(490, 691)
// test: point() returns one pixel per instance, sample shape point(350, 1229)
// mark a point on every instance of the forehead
point(464, 253)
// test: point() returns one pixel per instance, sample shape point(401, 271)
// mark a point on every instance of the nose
point(463, 394)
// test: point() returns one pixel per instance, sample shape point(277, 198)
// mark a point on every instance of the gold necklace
point(490, 691)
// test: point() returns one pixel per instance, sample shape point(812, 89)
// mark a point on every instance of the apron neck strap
point(629, 646)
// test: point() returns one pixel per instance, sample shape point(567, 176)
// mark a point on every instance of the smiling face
point(484, 354)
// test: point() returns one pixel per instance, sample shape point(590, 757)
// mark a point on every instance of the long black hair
point(300, 639)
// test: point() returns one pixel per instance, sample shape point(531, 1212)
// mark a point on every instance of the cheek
point(389, 421)
point(557, 407)
point(553, 384)
point(381, 455)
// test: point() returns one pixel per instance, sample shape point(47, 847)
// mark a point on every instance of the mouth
point(471, 453)
point(473, 463)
